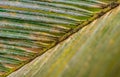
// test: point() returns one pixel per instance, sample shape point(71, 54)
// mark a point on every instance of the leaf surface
point(28, 28)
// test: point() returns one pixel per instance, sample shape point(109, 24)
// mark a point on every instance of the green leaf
point(28, 28)
point(91, 52)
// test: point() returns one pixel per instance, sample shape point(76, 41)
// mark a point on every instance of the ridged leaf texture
point(28, 28)
point(93, 51)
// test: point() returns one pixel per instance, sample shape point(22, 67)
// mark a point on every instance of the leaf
point(91, 52)
point(28, 28)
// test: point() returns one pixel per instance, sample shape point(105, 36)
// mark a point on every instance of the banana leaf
point(29, 28)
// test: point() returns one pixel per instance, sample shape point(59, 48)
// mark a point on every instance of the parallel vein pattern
point(30, 27)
